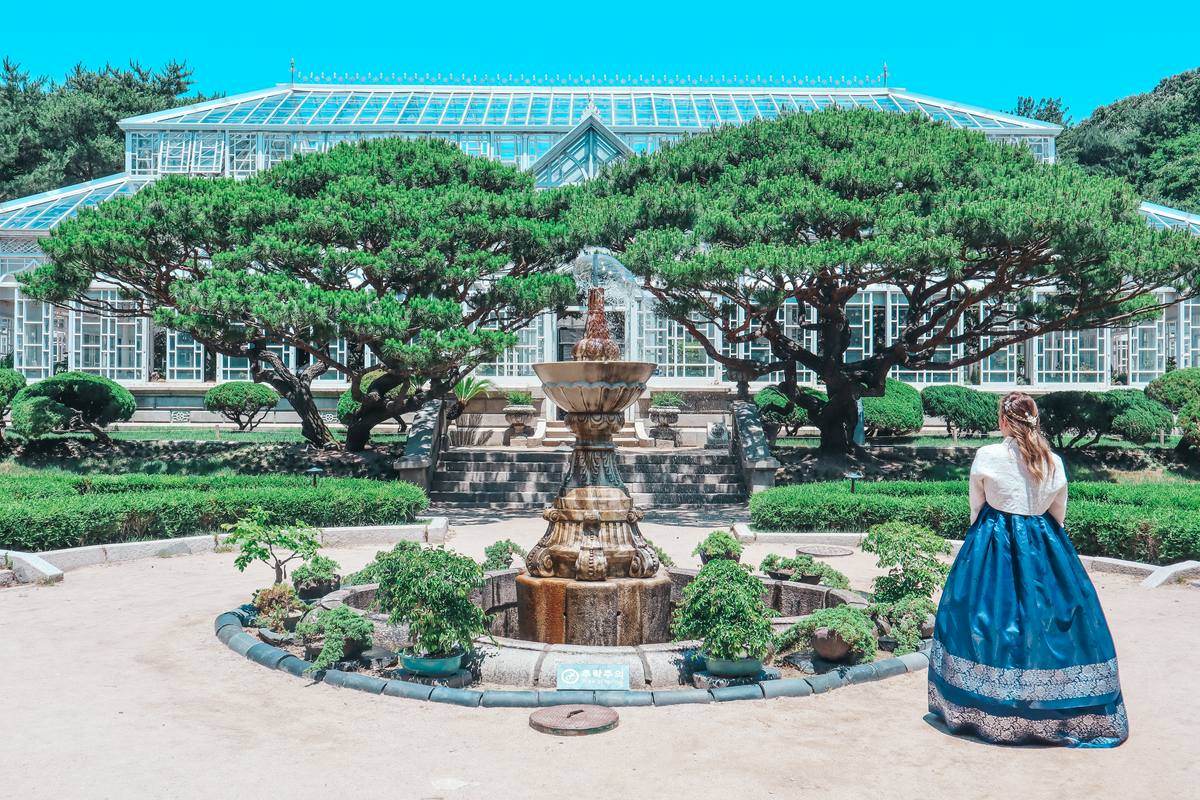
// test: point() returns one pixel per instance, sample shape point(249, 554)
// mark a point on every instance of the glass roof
point(40, 212)
point(1165, 217)
point(622, 107)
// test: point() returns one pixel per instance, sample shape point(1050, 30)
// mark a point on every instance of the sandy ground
point(112, 685)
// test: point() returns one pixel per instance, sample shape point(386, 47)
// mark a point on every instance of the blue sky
point(983, 53)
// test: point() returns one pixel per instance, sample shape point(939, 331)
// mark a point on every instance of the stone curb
point(1155, 576)
point(229, 631)
point(48, 567)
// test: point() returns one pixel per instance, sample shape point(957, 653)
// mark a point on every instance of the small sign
point(593, 676)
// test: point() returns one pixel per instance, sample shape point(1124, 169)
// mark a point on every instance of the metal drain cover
point(825, 550)
point(573, 720)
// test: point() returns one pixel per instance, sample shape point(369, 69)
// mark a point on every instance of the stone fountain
point(593, 579)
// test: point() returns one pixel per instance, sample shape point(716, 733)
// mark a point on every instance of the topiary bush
point(718, 545)
point(1136, 417)
point(244, 403)
point(1189, 423)
point(1176, 389)
point(11, 382)
point(71, 401)
point(897, 412)
point(723, 607)
point(964, 409)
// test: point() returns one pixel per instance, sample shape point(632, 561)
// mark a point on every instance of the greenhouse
point(562, 134)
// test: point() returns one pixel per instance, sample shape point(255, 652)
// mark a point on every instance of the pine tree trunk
point(837, 421)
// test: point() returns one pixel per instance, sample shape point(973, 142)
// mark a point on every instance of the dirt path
point(112, 685)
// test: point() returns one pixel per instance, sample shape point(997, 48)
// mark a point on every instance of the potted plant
point(718, 545)
point(723, 607)
point(277, 608)
point(519, 412)
point(664, 412)
point(335, 635)
point(841, 633)
point(499, 555)
point(257, 539)
point(316, 577)
point(803, 568)
point(429, 590)
point(902, 625)
point(912, 556)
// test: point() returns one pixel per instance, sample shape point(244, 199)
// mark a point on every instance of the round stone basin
point(594, 387)
point(509, 661)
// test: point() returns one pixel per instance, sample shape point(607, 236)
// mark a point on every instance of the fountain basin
point(594, 387)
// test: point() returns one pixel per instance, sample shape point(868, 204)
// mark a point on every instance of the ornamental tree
point(408, 260)
point(740, 229)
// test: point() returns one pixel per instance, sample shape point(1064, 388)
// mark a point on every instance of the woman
point(1021, 651)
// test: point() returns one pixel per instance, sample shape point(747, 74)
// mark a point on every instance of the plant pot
point(316, 589)
point(705, 558)
point(733, 667)
point(781, 574)
point(519, 417)
point(830, 645)
point(810, 579)
point(888, 644)
point(664, 416)
point(433, 666)
point(293, 619)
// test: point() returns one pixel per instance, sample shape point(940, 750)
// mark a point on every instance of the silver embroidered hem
point(1008, 685)
point(1078, 729)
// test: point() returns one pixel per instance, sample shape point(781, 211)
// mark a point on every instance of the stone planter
point(830, 645)
point(350, 651)
point(705, 557)
point(519, 418)
point(663, 418)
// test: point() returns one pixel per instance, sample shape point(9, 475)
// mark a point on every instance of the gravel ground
point(113, 686)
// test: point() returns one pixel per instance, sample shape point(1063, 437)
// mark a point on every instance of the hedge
point(47, 512)
point(964, 409)
point(1156, 523)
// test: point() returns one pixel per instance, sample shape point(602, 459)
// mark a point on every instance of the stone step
point(485, 471)
point(640, 456)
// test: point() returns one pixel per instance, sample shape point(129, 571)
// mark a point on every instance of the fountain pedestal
point(592, 578)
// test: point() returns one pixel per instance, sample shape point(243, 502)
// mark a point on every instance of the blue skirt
point(1021, 651)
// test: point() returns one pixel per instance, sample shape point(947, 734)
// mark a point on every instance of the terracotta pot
point(830, 645)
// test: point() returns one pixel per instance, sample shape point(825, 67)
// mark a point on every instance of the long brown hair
point(1021, 414)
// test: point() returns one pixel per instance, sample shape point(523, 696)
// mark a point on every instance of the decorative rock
point(458, 680)
point(7, 578)
point(378, 658)
point(829, 644)
point(927, 627)
point(702, 679)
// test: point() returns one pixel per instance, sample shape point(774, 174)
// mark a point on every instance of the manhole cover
point(825, 550)
point(575, 720)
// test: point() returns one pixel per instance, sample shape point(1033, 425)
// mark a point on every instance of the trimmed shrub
point(1189, 422)
point(964, 409)
point(772, 410)
point(723, 607)
point(1079, 419)
point(1136, 417)
point(1176, 389)
point(1155, 523)
point(50, 512)
point(897, 412)
point(71, 401)
point(11, 382)
point(245, 403)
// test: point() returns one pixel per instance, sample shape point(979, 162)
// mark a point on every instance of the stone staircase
point(557, 433)
point(531, 478)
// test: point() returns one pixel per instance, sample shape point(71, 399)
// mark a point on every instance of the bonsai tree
point(369, 573)
point(723, 607)
point(849, 624)
point(396, 255)
point(718, 545)
point(757, 239)
point(909, 553)
point(341, 632)
point(499, 555)
point(274, 545)
point(71, 401)
point(965, 410)
point(904, 620)
point(274, 605)
point(241, 402)
point(11, 382)
point(803, 564)
point(429, 589)
point(316, 576)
